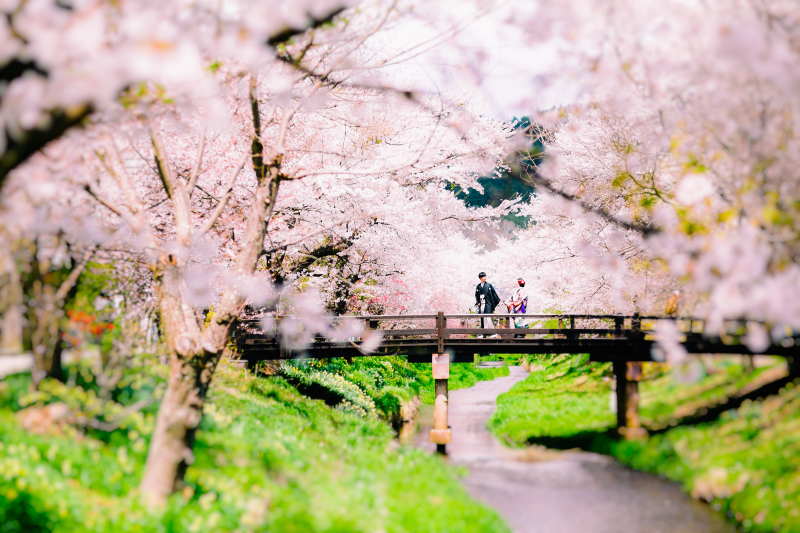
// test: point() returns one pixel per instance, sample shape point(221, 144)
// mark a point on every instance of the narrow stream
point(557, 492)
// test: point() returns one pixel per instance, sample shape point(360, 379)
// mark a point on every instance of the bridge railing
point(460, 325)
point(403, 330)
point(414, 329)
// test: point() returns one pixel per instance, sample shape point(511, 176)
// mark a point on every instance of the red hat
point(521, 281)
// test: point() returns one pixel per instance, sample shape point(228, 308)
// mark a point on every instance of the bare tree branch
point(223, 202)
point(162, 162)
point(125, 413)
point(73, 276)
point(131, 220)
point(286, 34)
point(339, 222)
point(196, 170)
point(540, 181)
point(175, 188)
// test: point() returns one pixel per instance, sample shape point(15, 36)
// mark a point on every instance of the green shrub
point(385, 381)
point(333, 388)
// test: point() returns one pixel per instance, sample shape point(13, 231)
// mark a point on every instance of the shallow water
point(544, 491)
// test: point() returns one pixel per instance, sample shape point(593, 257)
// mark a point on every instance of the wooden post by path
point(440, 434)
point(628, 375)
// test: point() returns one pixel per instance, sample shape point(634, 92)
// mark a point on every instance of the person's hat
point(482, 275)
point(521, 282)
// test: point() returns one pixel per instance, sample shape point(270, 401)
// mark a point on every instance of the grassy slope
point(266, 458)
point(747, 463)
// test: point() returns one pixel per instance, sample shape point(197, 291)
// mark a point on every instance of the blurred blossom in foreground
point(668, 343)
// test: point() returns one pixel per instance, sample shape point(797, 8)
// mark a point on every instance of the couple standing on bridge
point(486, 300)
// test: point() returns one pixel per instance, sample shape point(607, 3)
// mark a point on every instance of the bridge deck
point(626, 338)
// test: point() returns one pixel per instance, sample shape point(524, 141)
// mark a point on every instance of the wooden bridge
point(441, 339)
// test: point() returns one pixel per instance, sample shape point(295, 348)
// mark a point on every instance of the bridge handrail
point(480, 331)
point(500, 315)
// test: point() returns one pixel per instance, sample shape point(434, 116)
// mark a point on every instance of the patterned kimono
point(518, 304)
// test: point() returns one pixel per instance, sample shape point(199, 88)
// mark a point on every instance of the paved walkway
point(13, 364)
point(566, 492)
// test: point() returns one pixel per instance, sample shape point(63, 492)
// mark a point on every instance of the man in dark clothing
point(486, 299)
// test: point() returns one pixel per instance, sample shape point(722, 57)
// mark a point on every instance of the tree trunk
point(194, 356)
point(180, 413)
point(181, 409)
point(11, 300)
point(44, 329)
point(195, 352)
point(46, 313)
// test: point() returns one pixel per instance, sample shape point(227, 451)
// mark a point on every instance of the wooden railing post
point(440, 325)
point(440, 434)
point(636, 326)
point(236, 338)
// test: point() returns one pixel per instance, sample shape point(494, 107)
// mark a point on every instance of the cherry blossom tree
point(232, 153)
point(47, 246)
point(311, 145)
point(680, 144)
point(59, 61)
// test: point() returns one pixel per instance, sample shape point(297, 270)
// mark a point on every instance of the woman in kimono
point(518, 304)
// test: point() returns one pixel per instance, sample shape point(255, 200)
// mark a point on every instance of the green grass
point(382, 382)
point(557, 401)
point(462, 376)
point(267, 458)
point(746, 463)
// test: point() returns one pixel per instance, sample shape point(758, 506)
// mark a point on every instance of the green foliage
point(620, 179)
point(95, 280)
point(267, 458)
point(746, 463)
point(378, 384)
point(648, 201)
point(693, 164)
point(333, 388)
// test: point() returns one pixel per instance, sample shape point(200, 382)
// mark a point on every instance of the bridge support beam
point(440, 434)
point(627, 381)
point(794, 366)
